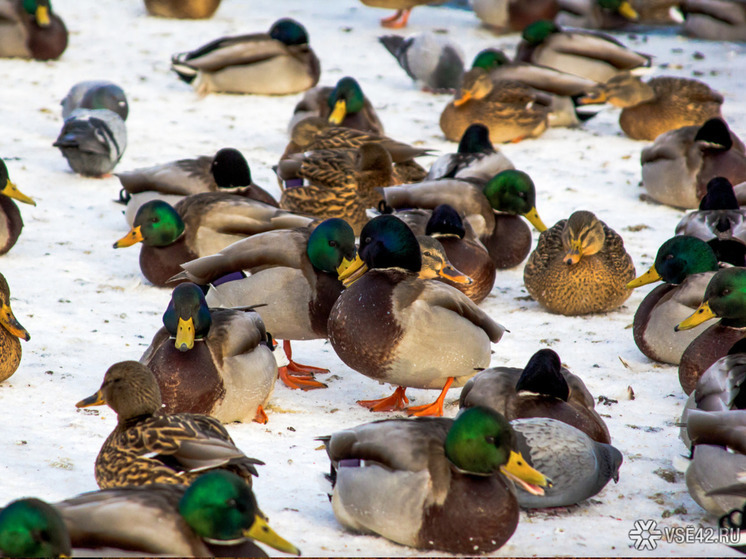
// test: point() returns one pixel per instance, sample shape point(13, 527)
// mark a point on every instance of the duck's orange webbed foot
point(398, 20)
point(297, 367)
point(260, 416)
point(303, 382)
point(396, 402)
point(436, 408)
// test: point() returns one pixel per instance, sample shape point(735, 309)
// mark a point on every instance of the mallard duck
point(492, 210)
point(595, 56)
point(198, 225)
point(403, 9)
point(596, 14)
point(578, 466)
point(719, 217)
point(686, 265)
point(510, 110)
point(226, 171)
point(432, 61)
point(543, 388)
point(279, 62)
point(214, 517)
point(661, 104)
point(345, 104)
point(30, 29)
point(293, 283)
point(579, 266)
point(151, 446)
point(504, 16)
point(394, 327)
point(218, 362)
point(716, 20)
point(723, 299)
point(476, 158)
point(336, 182)
point(436, 265)
point(11, 222)
point(431, 482)
point(182, 9)
point(96, 94)
point(678, 166)
point(93, 141)
point(10, 331)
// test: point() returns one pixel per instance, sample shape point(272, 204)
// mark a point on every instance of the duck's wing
point(231, 51)
point(725, 428)
point(185, 176)
point(492, 388)
point(235, 332)
point(598, 46)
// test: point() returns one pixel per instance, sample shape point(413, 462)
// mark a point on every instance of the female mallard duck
point(403, 9)
point(394, 327)
point(579, 266)
point(151, 446)
point(719, 217)
point(678, 166)
point(95, 94)
point(218, 362)
point(716, 20)
point(686, 265)
point(345, 104)
point(596, 14)
point(292, 282)
point(11, 222)
point(182, 9)
point(510, 110)
point(504, 16)
point(198, 225)
point(226, 171)
point(594, 56)
point(215, 516)
point(661, 104)
point(10, 331)
point(339, 183)
point(543, 388)
point(279, 62)
point(29, 29)
point(724, 298)
point(492, 210)
point(431, 482)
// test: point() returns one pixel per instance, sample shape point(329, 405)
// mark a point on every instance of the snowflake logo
point(645, 535)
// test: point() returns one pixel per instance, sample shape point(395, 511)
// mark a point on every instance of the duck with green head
point(32, 528)
point(217, 362)
point(292, 281)
point(685, 264)
point(492, 210)
point(724, 298)
point(432, 482)
point(11, 222)
point(30, 29)
point(11, 332)
point(393, 326)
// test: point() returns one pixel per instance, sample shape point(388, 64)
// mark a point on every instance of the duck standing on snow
point(182, 9)
point(504, 16)
point(30, 29)
point(93, 141)
point(403, 9)
point(11, 222)
point(10, 332)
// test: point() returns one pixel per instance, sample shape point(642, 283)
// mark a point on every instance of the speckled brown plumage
point(10, 330)
point(315, 103)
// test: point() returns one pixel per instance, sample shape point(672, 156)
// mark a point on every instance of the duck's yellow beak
point(628, 12)
point(11, 191)
point(185, 334)
point(261, 532)
point(96, 399)
point(11, 324)
point(518, 470)
point(573, 255)
point(131, 238)
point(651, 276)
point(465, 96)
point(339, 112)
point(351, 271)
point(533, 217)
point(702, 314)
point(42, 16)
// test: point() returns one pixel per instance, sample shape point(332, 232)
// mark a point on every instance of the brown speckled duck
point(10, 332)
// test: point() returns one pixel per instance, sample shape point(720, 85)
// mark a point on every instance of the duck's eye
point(428, 254)
point(490, 440)
point(368, 239)
point(332, 243)
point(669, 256)
point(522, 195)
point(725, 292)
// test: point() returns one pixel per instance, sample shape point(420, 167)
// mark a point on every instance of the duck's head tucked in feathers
point(583, 235)
point(445, 222)
point(289, 32)
point(543, 375)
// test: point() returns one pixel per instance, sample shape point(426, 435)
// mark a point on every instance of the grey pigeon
point(92, 141)
point(431, 60)
point(95, 94)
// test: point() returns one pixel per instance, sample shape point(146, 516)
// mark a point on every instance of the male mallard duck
point(279, 62)
point(218, 362)
point(198, 225)
point(543, 388)
point(29, 29)
point(678, 166)
point(725, 299)
point(431, 482)
point(492, 210)
point(719, 217)
point(151, 446)
point(721, 387)
point(578, 466)
point(403, 9)
point(431, 60)
point(293, 283)
point(182, 9)
point(345, 104)
point(504, 16)
point(596, 14)
point(215, 516)
point(11, 222)
point(226, 171)
point(394, 327)
point(10, 331)
point(95, 94)
point(594, 56)
point(661, 104)
point(716, 20)
point(686, 265)
point(579, 266)
point(336, 182)
point(93, 141)
point(510, 110)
